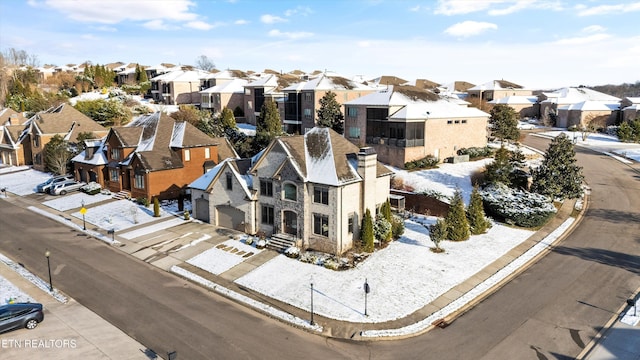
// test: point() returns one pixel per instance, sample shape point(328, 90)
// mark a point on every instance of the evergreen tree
point(385, 211)
point(456, 219)
point(367, 232)
point(268, 125)
point(227, 119)
point(478, 222)
point(437, 233)
point(504, 123)
point(57, 155)
point(559, 176)
point(499, 171)
point(156, 207)
point(329, 114)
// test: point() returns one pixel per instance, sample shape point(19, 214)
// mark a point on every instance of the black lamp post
point(312, 323)
point(47, 254)
point(632, 302)
point(367, 289)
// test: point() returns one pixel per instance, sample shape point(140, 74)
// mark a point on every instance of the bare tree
point(204, 63)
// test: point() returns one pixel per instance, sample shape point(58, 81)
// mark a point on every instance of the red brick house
point(153, 156)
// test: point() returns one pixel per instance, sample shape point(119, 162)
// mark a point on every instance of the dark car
point(20, 315)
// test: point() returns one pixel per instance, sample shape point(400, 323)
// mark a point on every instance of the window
point(307, 96)
point(457, 121)
point(266, 187)
point(139, 181)
point(351, 223)
point(247, 91)
point(449, 122)
point(377, 113)
point(267, 214)
point(352, 112)
point(115, 153)
point(307, 113)
point(290, 192)
point(229, 182)
point(321, 195)
point(207, 153)
point(321, 224)
point(114, 174)
point(354, 132)
point(187, 155)
point(464, 121)
point(36, 141)
point(250, 105)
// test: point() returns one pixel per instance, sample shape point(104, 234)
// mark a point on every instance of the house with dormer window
point(308, 190)
point(153, 156)
point(11, 126)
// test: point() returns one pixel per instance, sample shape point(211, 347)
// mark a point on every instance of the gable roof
point(65, 119)
point(8, 116)
point(515, 100)
point(572, 95)
point(325, 82)
point(238, 170)
point(496, 85)
point(233, 86)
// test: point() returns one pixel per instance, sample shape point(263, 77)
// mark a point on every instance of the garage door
point(202, 210)
point(230, 217)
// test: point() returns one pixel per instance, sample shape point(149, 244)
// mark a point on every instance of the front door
point(290, 222)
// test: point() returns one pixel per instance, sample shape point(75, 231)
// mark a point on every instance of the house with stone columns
point(308, 190)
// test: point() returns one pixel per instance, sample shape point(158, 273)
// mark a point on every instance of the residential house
point(265, 88)
point(308, 190)
point(573, 106)
point(496, 89)
point(525, 106)
point(153, 156)
point(630, 108)
point(302, 100)
point(11, 126)
point(126, 74)
point(406, 123)
point(63, 120)
point(228, 94)
point(178, 86)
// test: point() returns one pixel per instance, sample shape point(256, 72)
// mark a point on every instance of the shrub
point(438, 232)
point(427, 162)
point(143, 201)
point(382, 229)
point(292, 252)
point(156, 207)
point(261, 244)
point(517, 207)
point(397, 227)
point(331, 264)
point(476, 153)
point(249, 240)
point(456, 219)
point(309, 258)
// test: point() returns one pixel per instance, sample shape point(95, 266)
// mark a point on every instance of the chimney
point(367, 169)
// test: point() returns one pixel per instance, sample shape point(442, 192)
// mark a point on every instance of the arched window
point(290, 192)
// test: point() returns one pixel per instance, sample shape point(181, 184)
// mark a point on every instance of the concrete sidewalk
point(69, 331)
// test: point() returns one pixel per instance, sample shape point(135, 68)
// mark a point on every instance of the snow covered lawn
point(120, 215)
point(9, 292)
point(23, 182)
point(223, 256)
point(68, 202)
point(600, 142)
point(403, 277)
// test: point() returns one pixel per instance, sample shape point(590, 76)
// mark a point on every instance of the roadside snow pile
point(517, 207)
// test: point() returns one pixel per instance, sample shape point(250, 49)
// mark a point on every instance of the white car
point(525, 125)
point(66, 186)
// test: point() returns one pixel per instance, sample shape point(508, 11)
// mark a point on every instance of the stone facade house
point(406, 123)
point(153, 156)
point(302, 100)
point(11, 126)
point(63, 120)
point(308, 190)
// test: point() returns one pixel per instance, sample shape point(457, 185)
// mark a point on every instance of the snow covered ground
point(23, 182)
point(600, 142)
point(75, 200)
point(119, 215)
point(227, 255)
point(10, 293)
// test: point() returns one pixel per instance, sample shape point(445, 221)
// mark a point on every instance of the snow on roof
point(591, 106)
point(181, 75)
point(496, 85)
point(572, 95)
point(325, 82)
point(633, 100)
point(632, 107)
point(515, 100)
point(320, 164)
point(99, 157)
point(269, 80)
point(233, 86)
point(178, 134)
point(204, 181)
point(148, 135)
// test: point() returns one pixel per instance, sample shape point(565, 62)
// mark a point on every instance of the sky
point(539, 44)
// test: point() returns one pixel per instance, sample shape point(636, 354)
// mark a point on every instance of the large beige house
point(406, 123)
point(525, 106)
point(630, 108)
point(308, 190)
point(576, 106)
point(497, 89)
point(178, 86)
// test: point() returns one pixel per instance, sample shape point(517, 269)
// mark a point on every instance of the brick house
point(575, 105)
point(228, 94)
point(11, 126)
point(153, 156)
point(497, 89)
point(302, 100)
point(256, 92)
point(525, 106)
point(406, 123)
point(63, 120)
point(630, 108)
point(310, 190)
point(180, 86)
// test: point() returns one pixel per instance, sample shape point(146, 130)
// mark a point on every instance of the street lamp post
point(83, 211)
point(47, 254)
point(367, 289)
point(312, 323)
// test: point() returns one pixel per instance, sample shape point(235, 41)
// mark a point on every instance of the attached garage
point(230, 217)
point(202, 209)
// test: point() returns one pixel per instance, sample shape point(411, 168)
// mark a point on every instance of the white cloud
point(300, 10)
point(469, 28)
point(115, 11)
point(290, 35)
point(241, 22)
point(607, 9)
point(582, 40)
point(201, 25)
point(158, 25)
point(460, 7)
point(271, 19)
point(105, 28)
point(594, 29)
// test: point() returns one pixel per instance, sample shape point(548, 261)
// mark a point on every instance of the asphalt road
point(550, 311)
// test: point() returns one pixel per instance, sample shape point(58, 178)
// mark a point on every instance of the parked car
point(525, 125)
point(20, 315)
point(66, 186)
point(45, 186)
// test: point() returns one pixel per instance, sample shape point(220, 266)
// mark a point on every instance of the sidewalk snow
point(43, 285)
point(64, 203)
point(153, 228)
point(23, 182)
point(119, 215)
point(222, 257)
